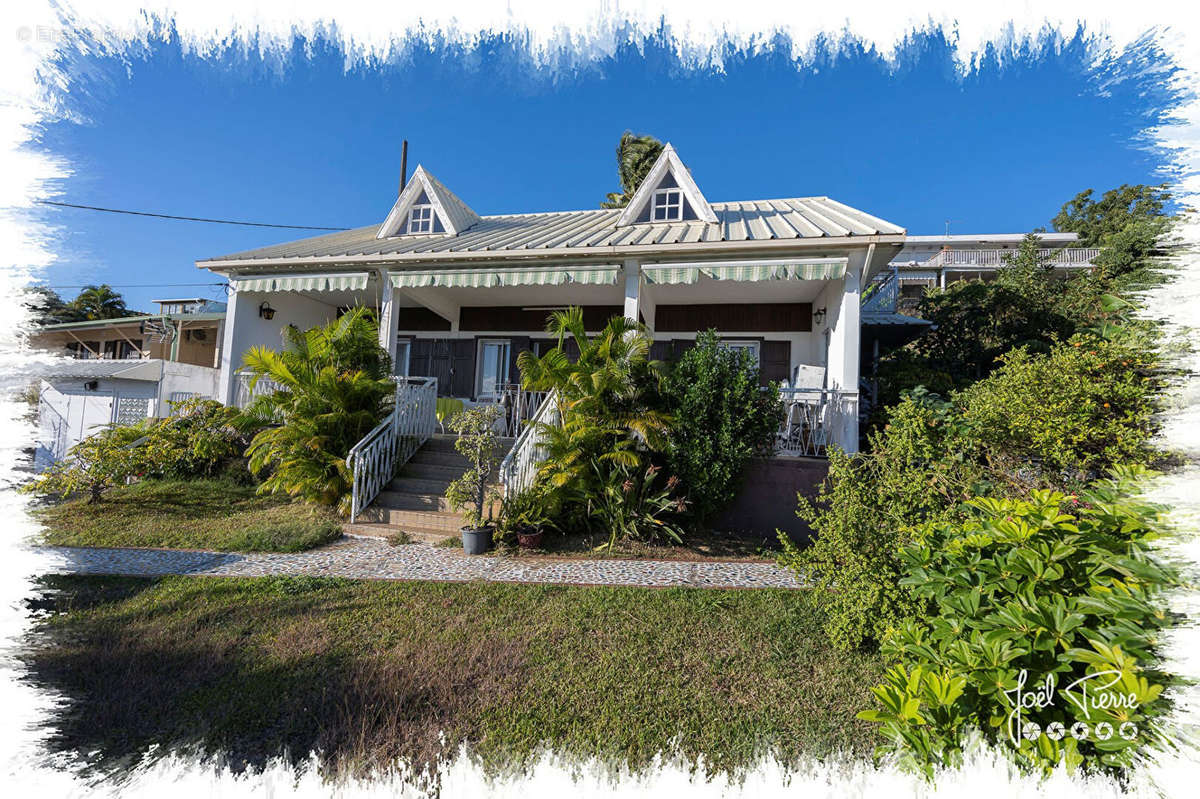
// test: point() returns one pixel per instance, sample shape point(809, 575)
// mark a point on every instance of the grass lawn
point(366, 672)
point(189, 514)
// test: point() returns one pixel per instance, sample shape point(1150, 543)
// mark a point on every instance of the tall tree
point(100, 302)
point(49, 308)
point(1129, 223)
point(635, 156)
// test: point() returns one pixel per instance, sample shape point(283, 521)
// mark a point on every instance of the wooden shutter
point(775, 361)
point(517, 345)
point(419, 353)
point(662, 351)
point(462, 367)
point(679, 346)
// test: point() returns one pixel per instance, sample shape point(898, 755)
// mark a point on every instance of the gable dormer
point(667, 194)
point(426, 208)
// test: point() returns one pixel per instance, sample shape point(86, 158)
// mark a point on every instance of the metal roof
point(127, 320)
point(800, 218)
point(149, 369)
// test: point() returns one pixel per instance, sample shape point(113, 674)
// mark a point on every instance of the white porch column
point(633, 288)
point(233, 343)
point(845, 348)
point(387, 314)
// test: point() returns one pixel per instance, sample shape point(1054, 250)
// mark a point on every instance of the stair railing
point(520, 465)
point(375, 459)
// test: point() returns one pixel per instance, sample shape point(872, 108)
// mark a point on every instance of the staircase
point(414, 501)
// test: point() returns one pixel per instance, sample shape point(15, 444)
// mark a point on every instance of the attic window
point(667, 205)
point(420, 219)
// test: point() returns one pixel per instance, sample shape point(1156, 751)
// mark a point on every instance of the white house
point(460, 295)
point(124, 370)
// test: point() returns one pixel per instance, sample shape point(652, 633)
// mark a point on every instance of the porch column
point(387, 314)
point(633, 288)
point(237, 314)
point(844, 348)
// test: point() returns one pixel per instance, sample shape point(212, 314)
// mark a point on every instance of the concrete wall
point(767, 501)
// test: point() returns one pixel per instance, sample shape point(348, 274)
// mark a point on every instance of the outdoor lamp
point(266, 311)
point(818, 315)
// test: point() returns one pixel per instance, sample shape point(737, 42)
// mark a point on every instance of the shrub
point(1080, 409)
point(1051, 592)
point(721, 419)
point(202, 439)
point(632, 504)
point(335, 389)
point(478, 443)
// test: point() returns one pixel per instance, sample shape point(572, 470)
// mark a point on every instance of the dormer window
point(420, 219)
point(667, 205)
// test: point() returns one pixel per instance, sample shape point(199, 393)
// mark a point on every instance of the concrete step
point(407, 500)
point(429, 521)
point(444, 442)
point(431, 471)
point(385, 530)
point(416, 485)
point(439, 458)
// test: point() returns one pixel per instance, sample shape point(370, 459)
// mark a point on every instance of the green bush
point(721, 419)
point(335, 388)
point(914, 473)
point(1051, 588)
point(1080, 409)
point(200, 439)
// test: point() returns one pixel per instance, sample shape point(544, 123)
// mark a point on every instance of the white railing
point(1066, 256)
point(244, 394)
point(375, 459)
point(520, 465)
point(518, 405)
point(815, 419)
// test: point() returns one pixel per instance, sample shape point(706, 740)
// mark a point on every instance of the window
point(420, 219)
point(492, 371)
point(667, 205)
point(749, 346)
point(403, 350)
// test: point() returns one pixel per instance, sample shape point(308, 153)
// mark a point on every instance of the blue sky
point(306, 142)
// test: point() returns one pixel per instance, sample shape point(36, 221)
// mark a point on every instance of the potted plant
point(477, 440)
point(526, 515)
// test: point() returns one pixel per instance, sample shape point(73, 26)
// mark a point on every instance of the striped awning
point(344, 281)
point(494, 278)
point(807, 269)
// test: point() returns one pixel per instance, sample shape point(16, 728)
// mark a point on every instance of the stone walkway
point(376, 559)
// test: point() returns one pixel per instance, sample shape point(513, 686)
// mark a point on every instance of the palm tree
point(334, 389)
point(635, 157)
point(99, 302)
point(607, 399)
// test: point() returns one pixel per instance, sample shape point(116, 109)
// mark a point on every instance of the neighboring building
point(121, 371)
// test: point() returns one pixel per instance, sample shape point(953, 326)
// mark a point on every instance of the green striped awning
point(492, 278)
point(348, 281)
point(825, 269)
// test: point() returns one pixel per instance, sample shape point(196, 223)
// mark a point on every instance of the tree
point(723, 418)
point(1128, 222)
point(635, 157)
point(334, 390)
point(48, 308)
point(99, 302)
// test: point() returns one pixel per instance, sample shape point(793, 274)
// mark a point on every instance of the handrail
point(519, 467)
point(1078, 256)
point(374, 460)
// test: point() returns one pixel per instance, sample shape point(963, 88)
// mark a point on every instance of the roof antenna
point(403, 164)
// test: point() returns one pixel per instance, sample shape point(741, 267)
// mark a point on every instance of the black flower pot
point(476, 540)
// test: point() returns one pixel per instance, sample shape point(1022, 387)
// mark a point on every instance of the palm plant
point(335, 387)
point(635, 157)
point(610, 421)
point(99, 302)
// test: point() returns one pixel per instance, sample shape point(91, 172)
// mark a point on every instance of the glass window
point(749, 346)
point(403, 348)
point(420, 219)
point(493, 368)
point(667, 205)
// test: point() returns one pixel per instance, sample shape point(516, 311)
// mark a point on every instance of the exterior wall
point(767, 501)
point(190, 350)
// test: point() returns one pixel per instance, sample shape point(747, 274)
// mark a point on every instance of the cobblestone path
point(376, 559)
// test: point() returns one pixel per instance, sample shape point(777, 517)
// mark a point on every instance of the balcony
point(991, 259)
